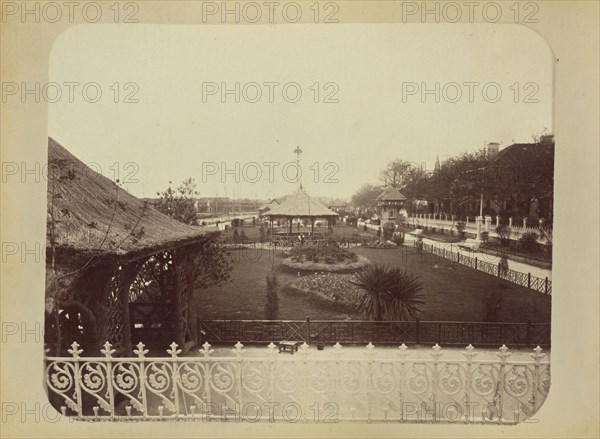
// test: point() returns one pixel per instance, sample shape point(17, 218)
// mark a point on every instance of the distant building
point(391, 204)
point(217, 205)
point(492, 149)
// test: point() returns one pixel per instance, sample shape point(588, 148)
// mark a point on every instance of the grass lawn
point(452, 291)
point(244, 296)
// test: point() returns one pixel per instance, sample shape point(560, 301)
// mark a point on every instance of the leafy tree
point(179, 203)
point(397, 173)
point(366, 196)
point(391, 294)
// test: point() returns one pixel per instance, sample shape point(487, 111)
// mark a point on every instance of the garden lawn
point(244, 296)
point(452, 292)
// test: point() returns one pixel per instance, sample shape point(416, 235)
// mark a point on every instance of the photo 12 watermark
point(270, 92)
point(469, 92)
point(236, 12)
point(70, 91)
point(525, 12)
point(37, 172)
point(272, 172)
point(51, 12)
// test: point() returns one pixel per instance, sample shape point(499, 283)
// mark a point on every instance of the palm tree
point(392, 294)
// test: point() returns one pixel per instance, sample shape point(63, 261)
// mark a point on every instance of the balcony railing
point(342, 384)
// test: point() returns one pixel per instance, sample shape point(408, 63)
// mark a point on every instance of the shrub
point(243, 237)
point(263, 234)
point(236, 236)
point(503, 232)
point(272, 305)
point(388, 230)
point(529, 242)
point(485, 236)
point(460, 228)
point(391, 294)
point(398, 238)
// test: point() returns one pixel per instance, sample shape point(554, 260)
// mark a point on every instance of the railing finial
point(173, 351)
point(107, 350)
point(75, 351)
point(139, 350)
point(206, 350)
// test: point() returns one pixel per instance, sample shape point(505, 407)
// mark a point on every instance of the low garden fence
point(446, 333)
point(542, 285)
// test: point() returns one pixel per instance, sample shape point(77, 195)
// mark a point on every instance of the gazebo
point(390, 202)
point(100, 240)
point(300, 205)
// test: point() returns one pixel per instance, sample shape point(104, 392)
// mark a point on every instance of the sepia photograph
point(328, 215)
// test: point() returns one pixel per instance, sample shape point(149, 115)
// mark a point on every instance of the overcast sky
point(171, 132)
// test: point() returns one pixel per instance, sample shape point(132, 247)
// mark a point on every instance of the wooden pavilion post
point(183, 260)
point(128, 275)
point(91, 289)
point(178, 302)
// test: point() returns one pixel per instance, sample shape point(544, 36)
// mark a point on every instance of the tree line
point(517, 181)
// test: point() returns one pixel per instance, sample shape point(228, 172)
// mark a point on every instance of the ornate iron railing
point(446, 333)
point(345, 384)
point(542, 285)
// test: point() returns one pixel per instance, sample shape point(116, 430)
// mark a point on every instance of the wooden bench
point(292, 346)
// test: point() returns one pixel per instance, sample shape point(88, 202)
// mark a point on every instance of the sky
point(178, 124)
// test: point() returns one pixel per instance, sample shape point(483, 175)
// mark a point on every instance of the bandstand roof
point(94, 216)
point(391, 194)
point(300, 204)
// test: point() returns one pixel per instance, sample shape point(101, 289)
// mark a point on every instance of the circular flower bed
point(381, 244)
point(332, 286)
point(328, 265)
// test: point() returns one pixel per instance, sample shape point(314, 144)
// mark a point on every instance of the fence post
point(498, 269)
point(546, 285)
point(307, 330)
point(528, 280)
point(475, 262)
point(418, 329)
point(458, 257)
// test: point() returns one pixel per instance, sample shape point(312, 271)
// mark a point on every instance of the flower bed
point(332, 286)
point(328, 265)
point(381, 244)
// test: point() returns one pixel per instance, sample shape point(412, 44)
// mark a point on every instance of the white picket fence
point(445, 222)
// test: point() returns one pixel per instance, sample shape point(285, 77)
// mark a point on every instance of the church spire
point(437, 166)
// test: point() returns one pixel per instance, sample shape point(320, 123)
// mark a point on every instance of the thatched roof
point(90, 214)
point(391, 194)
point(300, 204)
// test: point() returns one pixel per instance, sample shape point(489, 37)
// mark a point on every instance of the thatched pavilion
point(99, 237)
point(300, 205)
